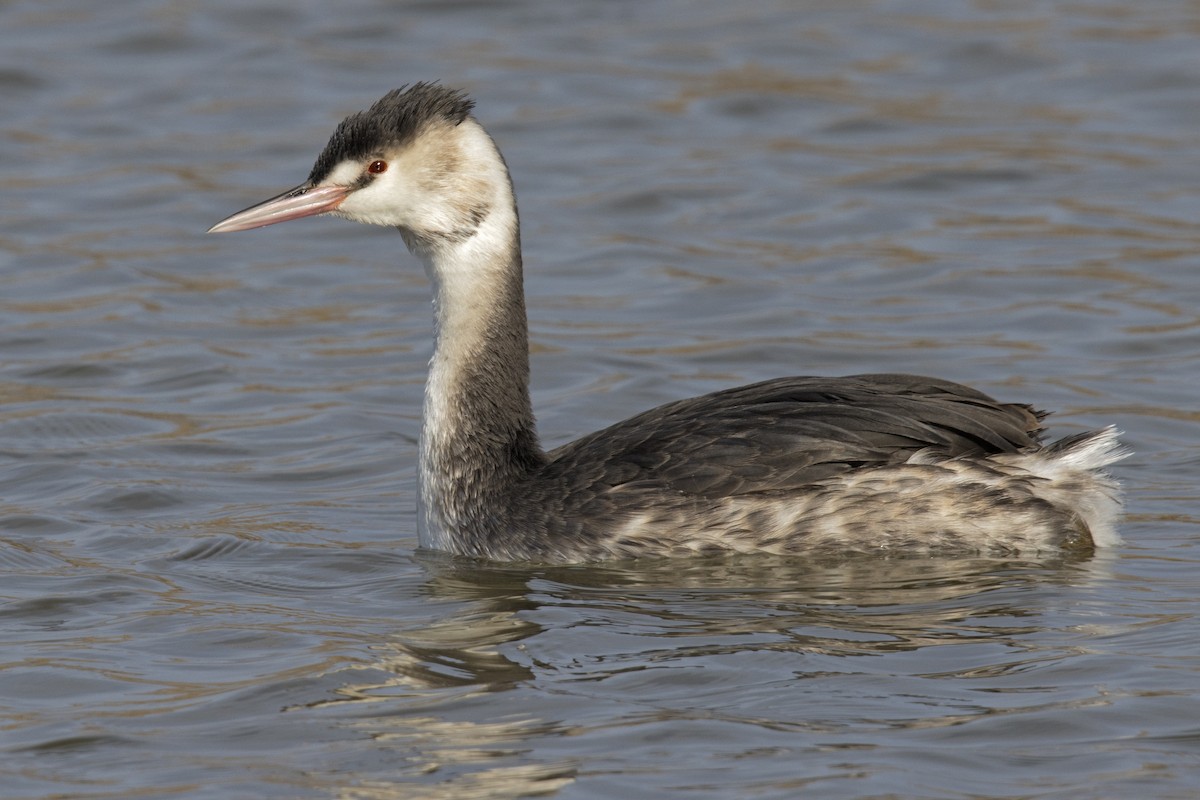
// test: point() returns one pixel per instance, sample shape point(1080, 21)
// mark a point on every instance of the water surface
point(208, 584)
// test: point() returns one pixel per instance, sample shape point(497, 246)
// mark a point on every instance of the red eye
point(377, 167)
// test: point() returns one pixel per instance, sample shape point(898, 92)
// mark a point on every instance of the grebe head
point(415, 160)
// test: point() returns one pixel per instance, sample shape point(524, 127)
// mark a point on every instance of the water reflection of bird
point(891, 463)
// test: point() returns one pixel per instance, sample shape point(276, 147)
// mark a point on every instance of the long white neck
point(478, 439)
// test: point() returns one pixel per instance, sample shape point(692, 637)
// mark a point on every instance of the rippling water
point(208, 585)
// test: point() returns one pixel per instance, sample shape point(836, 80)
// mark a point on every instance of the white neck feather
point(477, 392)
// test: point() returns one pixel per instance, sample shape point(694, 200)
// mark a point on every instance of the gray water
point(208, 579)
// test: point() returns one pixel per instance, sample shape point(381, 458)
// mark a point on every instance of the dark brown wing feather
point(789, 432)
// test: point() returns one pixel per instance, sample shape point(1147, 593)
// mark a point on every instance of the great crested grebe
point(879, 463)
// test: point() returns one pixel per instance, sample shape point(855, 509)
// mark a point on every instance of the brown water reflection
point(650, 620)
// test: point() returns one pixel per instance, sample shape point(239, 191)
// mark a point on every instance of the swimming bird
point(886, 463)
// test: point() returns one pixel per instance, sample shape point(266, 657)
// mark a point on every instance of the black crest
point(394, 119)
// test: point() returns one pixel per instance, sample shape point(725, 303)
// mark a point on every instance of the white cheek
point(384, 201)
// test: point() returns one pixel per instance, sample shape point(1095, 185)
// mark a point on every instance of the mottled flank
point(794, 466)
point(394, 120)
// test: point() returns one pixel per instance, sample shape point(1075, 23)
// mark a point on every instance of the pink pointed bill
point(303, 201)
